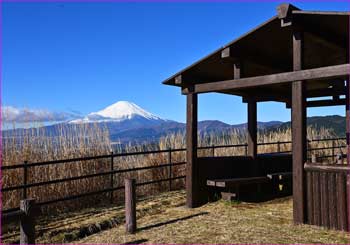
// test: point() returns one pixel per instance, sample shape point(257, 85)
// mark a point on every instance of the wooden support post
point(252, 129)
point(333, 154)
point(348, 150)
point(27, 221)
point(25, 180)
point(348, 119)
point(170, 169)
point(130, 205)
point(192, 178)
point(299, 144)
point(112, 177)
point(313, 158)
point(237, 71)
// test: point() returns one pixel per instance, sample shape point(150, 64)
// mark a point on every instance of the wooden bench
point(234, 183)
point(281, 180)
point(280, 176)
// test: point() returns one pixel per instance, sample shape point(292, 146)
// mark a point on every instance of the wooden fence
point(328, 187)
point(170, 165)
point(323, 181)
point(28, 212)
point(26, 217)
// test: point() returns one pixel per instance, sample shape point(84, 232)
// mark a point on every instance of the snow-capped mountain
point(118, 112)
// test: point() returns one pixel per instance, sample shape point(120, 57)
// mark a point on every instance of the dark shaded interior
point(241, 167)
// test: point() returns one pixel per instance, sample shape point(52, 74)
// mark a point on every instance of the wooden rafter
point(322, 103)
point(280, 78)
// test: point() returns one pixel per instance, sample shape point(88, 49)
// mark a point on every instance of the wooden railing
point(170, 165)
point(326, 189)
point(327, 196)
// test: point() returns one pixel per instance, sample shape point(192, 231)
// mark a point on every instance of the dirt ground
point(165, 219)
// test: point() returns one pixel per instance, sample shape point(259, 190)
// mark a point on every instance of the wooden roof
point(268, 49)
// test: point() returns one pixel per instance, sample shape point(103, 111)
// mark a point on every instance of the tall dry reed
point(36, 145)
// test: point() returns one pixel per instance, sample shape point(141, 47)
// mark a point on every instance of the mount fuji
point(128, 122)
point(119, 112)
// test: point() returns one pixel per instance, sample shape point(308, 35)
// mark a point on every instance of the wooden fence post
point(112, 175)
point(27, 222)
point(246, 149)
point(170, 169)
point(25, 180)
point(212, 150)
point(333, 154)
point(130, 205)
point(278, 147)
point(313, 158)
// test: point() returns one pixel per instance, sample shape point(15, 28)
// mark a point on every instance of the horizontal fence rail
point(26, 165)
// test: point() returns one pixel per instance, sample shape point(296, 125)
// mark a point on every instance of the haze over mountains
point(129, 123)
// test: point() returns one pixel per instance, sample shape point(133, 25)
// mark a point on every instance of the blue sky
point(85, 56)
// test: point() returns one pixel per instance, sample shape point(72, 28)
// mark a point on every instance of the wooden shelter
point(294, 56)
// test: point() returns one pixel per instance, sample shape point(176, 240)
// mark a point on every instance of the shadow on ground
point(171, 221)
point(137, 241)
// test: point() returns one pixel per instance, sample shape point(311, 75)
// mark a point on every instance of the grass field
point(37, 145)
point(165, 219)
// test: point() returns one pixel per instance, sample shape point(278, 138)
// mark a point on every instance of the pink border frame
point(116, 1)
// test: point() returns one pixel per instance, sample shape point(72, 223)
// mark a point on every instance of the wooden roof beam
point(280, 78)
point(267, 98)
point(284, 13)
point(266, 95)
point(325, 92)
point(178, 80)
point(321, 103)
point(329, 41)
point(187, 80)
point(230, 56)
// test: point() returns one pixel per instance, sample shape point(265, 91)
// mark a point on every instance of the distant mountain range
point(129, 123)
point(334, 122)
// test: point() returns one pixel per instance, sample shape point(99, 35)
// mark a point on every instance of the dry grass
point(163, 219)
point(70, 226)
point(89, 140)
point(36, 144)
point(220, 223)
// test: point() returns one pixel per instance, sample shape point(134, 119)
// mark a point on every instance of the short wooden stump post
point(27, 221)
point(130, 205)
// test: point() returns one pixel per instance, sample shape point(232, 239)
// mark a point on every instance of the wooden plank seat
point(281, 182)
point(280, 176)
point(232, 186)
point(234, 182)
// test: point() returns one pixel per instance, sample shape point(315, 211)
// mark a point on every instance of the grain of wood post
point(130, 205)
point(112, 177)
point(170, 169)
point(313, 158)
point(25, 179)
point(27, 221)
